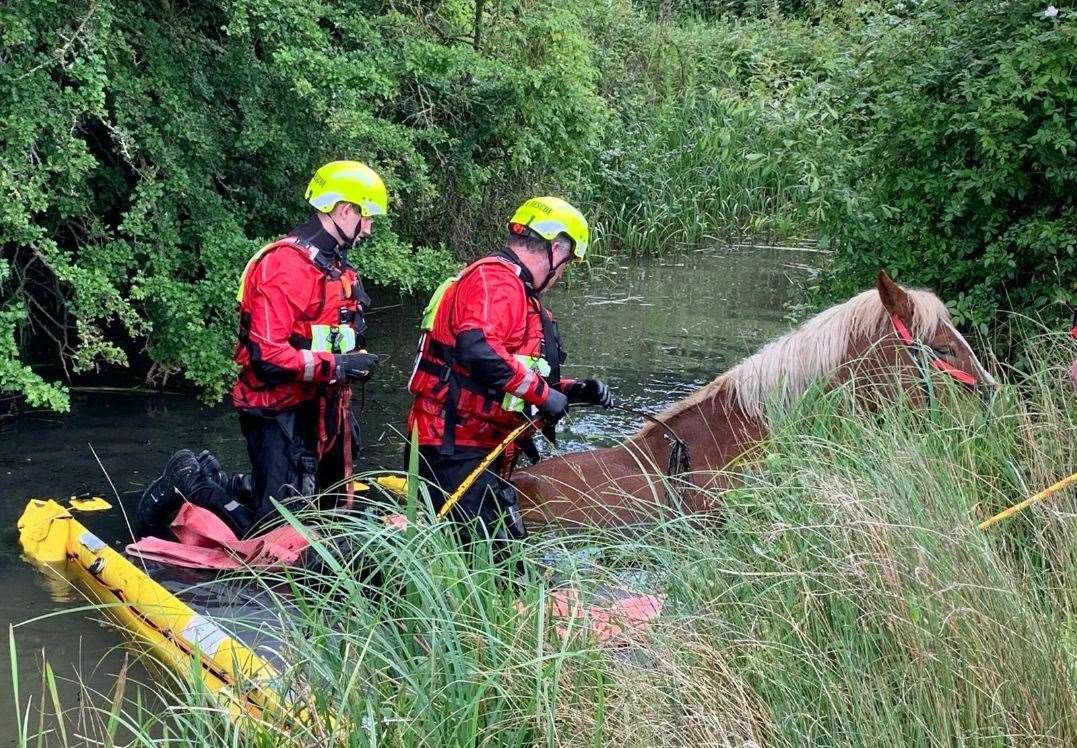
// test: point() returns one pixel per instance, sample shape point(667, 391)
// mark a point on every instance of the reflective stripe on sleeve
point(308, 365)
point(524, 386)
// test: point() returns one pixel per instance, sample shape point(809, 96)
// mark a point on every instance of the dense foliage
point(147, 149)
point(959, 169)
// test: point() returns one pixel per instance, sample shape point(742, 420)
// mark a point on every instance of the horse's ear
point(894, 298)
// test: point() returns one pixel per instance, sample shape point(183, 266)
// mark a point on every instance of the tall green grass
point(719, 131)
point(847, 599)
point(707, 169)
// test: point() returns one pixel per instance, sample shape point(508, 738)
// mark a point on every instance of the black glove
point(355, 367)
point(593, 391)
point(555, 407)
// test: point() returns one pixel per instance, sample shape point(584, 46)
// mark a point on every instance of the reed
point(846, 599)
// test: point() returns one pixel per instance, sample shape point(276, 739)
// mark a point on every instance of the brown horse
point(881, 339)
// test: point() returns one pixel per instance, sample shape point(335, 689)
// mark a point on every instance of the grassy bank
point(847, 600)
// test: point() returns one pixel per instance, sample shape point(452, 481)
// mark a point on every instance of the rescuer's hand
point(591, 391)
point(356, 367)
point(554, 408)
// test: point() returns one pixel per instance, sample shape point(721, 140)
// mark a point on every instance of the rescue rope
point(1007, 513)
point(473, 476)
point(679, 456)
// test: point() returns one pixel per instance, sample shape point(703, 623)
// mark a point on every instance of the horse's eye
point(944, 350)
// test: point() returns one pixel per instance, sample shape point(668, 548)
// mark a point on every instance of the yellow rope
point(1007, 513)
point(474, 474)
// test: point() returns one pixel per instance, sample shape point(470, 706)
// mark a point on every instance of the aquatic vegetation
point(846, 598)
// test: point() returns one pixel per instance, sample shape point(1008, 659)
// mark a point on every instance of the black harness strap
point(551, 339)
point(454, 381)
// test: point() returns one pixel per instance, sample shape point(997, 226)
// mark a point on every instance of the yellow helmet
point(550, 216)
point(350, 182)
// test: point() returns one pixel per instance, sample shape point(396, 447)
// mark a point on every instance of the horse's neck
point(716, 430)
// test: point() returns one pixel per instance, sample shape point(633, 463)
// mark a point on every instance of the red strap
point(901, 330)
point(907, 338)
point(962, 376)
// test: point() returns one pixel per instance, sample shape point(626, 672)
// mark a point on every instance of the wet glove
point(592, 391)
point(356, 367)
point(554, 408)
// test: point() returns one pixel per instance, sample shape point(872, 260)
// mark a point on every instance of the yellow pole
point(474, 474)
point(1007, 513)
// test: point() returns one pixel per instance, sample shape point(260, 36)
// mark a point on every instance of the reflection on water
point(654, 332)
point(658, 331)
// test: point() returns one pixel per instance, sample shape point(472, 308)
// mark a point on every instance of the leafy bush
point(147, 151)
point(960, 170)
point(714, 9)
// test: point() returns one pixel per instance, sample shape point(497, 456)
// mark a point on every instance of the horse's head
point(917, 342)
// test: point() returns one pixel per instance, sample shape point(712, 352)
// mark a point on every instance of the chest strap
point(453, 381)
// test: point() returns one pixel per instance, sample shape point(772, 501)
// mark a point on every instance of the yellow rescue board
point(180, 638)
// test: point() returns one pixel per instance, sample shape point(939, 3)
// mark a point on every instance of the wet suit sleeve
point(491, 309)
point(274, 309)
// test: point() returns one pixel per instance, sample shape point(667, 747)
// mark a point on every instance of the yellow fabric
point(93, 504)
point(397, 484)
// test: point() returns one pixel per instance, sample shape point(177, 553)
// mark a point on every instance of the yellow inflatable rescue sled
point(157, 621)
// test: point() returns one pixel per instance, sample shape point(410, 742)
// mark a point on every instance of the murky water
point(654, 331)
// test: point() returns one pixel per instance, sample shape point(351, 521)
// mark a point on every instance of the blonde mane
point(784, 368)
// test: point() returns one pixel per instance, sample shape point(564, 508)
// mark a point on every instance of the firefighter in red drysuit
point(301, 310)
point(490, 354)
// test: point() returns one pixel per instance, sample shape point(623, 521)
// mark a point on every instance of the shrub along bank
point(148, 148)
point(958, 166)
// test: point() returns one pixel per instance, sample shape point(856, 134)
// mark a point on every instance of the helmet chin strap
point(553, 268)
point(346, 244)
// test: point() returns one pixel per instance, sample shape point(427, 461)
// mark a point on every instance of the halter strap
point(906, 337)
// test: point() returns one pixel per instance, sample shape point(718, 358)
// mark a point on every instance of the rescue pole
point(473, 476)
point(1007, 513)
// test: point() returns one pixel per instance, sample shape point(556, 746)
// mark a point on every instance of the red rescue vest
point(452, 409)
point(292, 323)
